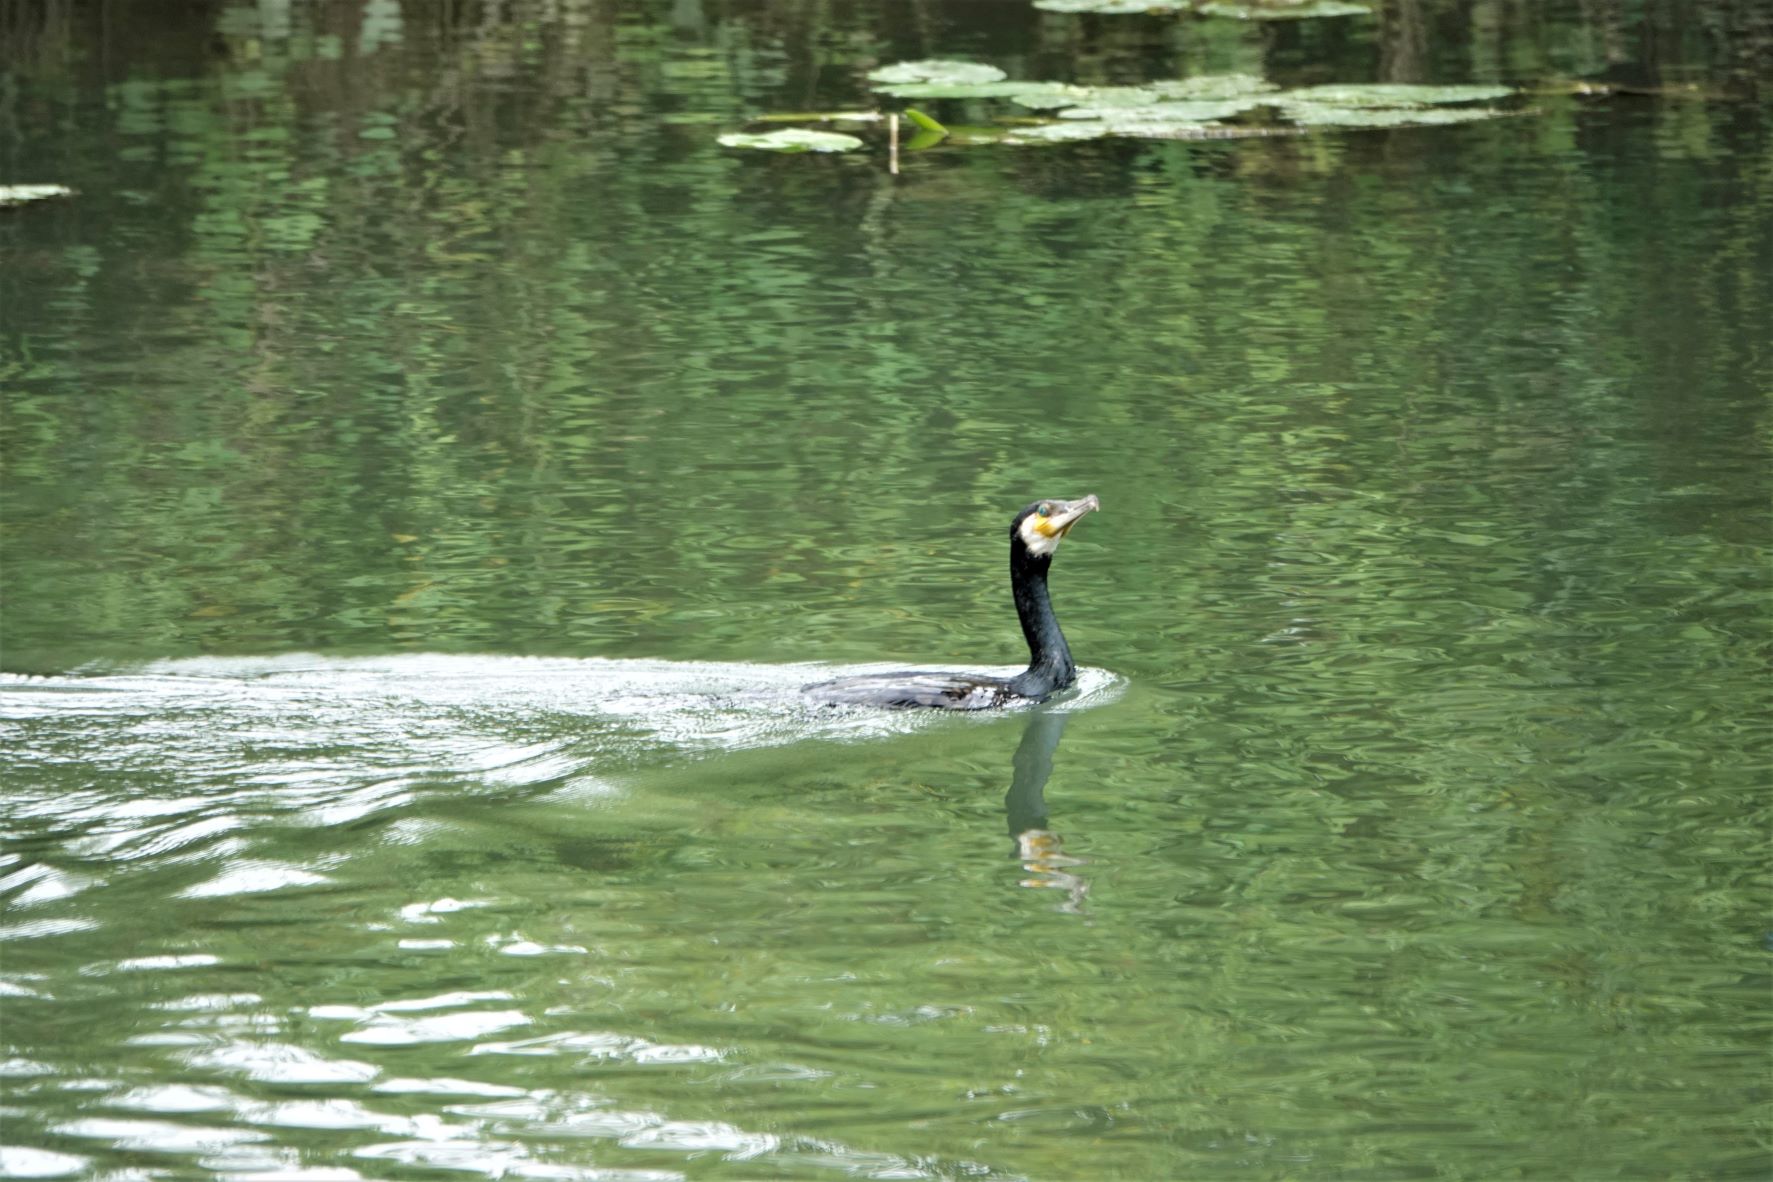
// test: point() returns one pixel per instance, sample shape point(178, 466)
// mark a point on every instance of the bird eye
point(1045, 510)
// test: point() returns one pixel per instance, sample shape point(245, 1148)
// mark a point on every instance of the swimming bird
point(1034, 534)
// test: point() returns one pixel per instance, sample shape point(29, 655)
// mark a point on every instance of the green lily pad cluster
point(1186, 108)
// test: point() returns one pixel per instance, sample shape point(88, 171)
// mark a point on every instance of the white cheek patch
point(1040, 545)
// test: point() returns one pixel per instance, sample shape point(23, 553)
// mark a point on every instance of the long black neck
point(1049, 658)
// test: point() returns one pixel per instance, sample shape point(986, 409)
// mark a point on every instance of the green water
point(431, 465)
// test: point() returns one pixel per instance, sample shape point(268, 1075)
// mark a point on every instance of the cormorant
point(1034, 535)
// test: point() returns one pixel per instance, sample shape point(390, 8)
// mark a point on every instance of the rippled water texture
point(432, 466)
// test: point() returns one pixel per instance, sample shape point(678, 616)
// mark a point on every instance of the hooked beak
point(1062, 521)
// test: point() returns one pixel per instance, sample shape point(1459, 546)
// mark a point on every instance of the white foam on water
point(299, 725)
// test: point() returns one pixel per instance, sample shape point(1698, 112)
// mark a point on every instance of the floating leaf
point(823, 117)
point(1283, 11)
point(792, 139)
point(1163, 129)
point(1056, 133)
point(1206, 86)
point(977, 135)
point(1120, 96)
point(1213, 86)
point(1151, 129)
point(925, 139)
point(966, 90)
point(1189, 131)
point(1093, 96)
point(937, 71)
point(1390, 94)
point(1201, 112)
point(1059, 94)
point(20, 194)
point(1113, 7)
point(1324, 115)
point(924, 121)
point(1176, 109)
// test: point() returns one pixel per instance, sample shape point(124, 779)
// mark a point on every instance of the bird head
point(1041, 525)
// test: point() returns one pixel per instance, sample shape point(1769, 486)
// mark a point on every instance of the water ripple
point(327, 741)
point(20, 1161)
point(280, 1063)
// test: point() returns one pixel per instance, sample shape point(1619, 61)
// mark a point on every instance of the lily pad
point(978, 134)
point(1113, 7)
point(20, 194)
point(1176, 109)
point(1060, 94)
point(1206, 86)
point(936, 70)
point(1201, 112)
point(1150, 129)
point(1283, 11)
point(823, 117)
point(1391, 94)
point(1324, 115)
point(968, 90)
point(1213, 86)
point(1117, 96)
point(1158, 130)
point(1096, 97)
point(1056, 133)
point(792, 139)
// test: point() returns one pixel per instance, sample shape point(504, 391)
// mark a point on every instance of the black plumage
point(1034, 536)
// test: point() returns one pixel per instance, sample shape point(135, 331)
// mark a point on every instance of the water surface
point(432, 465)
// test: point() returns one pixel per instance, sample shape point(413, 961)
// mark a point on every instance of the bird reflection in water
point(1037, 847)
